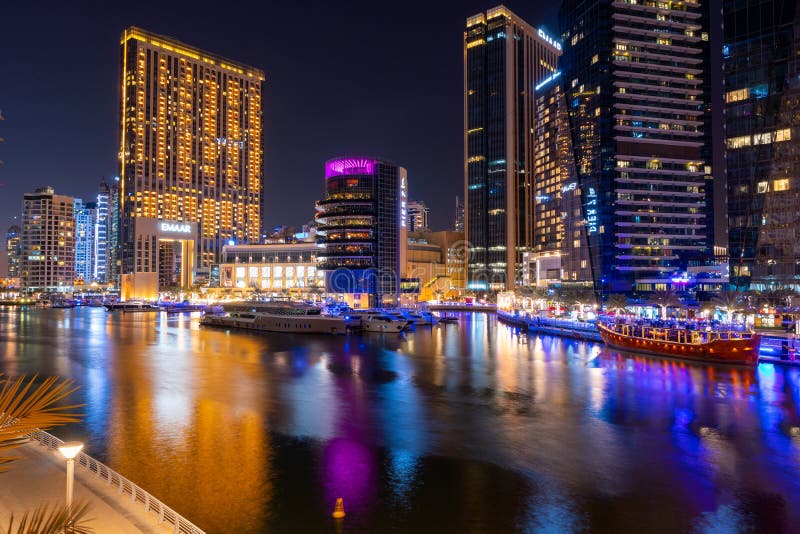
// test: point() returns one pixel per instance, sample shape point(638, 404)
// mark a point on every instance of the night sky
point(343, 78)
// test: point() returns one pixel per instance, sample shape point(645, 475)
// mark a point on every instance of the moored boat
point(281, 318)
point(725, 347)
point(132, 306)
point(383, 323)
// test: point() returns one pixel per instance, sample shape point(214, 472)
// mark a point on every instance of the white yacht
point(282, 318)
point(132, 306)
point(378, 322)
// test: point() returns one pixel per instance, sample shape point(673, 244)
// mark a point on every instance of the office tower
point(560, 253)
point(458, 221)
point(101, 234)
point(85, 244)
point(633, 74)
point(362, 223)
point(48, 241)
point(14, 250)
point(762, 141)
point(191, 169)
point(417, 216)
point(504, 58)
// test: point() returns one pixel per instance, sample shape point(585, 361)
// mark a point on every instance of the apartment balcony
point(650, 118)
point(623, 72)
point(660, 193)
point(655, 141)
point(662, 99)
point(623, 7)
point(638, 107)
point(648, 21)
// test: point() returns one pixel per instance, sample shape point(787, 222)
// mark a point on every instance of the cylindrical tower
point(361, 223)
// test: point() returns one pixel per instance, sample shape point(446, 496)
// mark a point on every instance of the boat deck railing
point(676, 335)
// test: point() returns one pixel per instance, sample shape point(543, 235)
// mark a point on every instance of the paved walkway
point(40, 477)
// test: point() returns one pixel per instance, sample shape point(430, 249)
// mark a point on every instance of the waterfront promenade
point(39, 477)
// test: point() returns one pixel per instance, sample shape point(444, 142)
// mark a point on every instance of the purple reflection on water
point(348, 468)
point(344, 166)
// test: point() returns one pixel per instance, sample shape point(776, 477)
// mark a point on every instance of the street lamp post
point(70, 450)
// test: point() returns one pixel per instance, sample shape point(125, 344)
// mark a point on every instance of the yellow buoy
point(338, 512)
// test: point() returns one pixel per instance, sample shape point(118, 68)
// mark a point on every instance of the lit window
point(780, 185)
point(762, 187)
point(737, 95)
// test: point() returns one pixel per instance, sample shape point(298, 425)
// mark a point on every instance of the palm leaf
point(26, 407)
point(46, 520)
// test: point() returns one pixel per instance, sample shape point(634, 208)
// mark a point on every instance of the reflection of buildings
point(559, 251)
point(417, 218)
point(48, 241)
point(504, 58)
point(280, 268)
point(761, 40)
point(85, 245)
point(14, 250)
point(191, 153)
point(634, 78)
point(362, 224)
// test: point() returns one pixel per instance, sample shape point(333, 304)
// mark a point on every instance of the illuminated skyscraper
point(85, 244)
point(634, 76)
point(559, 254)
point(458, 220)
point(504, 58)
point(762, 47)
point(362, 223)
point(191, 158)
point(48, 241)
point(418, 213)
point(14, 250)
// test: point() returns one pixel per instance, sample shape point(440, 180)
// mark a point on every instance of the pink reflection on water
point(349, 473)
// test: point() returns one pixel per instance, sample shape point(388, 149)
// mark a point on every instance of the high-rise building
point(458, 220)
point(633, 74)
point(560, 253)
point(14, 250)
point(504, 58)
point(191, 158)
point(48, 241)
point(418, 213)
point(362, 223)
point(85, 245)
point(107, 230)
point(763, 142)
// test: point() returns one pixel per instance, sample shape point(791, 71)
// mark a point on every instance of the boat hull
point(718, 351)
point(284, 324)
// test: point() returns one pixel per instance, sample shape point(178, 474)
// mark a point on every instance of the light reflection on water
point(457, 428)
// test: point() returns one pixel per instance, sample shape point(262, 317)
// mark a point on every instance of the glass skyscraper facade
point(633, 74)
point(362, 224)
point(504, 58)
point(14, 250)
point(763, 142)
point(560, 245)
point(85, 244)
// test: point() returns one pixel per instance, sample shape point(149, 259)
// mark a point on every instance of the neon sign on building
point(591, 212)
point(403, 202)
point(345, 166)
point(549, 40)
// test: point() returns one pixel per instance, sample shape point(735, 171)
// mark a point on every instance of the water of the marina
point(456, 428)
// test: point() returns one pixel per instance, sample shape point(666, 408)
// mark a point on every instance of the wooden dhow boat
point(721, 346)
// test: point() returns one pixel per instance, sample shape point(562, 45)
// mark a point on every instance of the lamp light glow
point(70, 449)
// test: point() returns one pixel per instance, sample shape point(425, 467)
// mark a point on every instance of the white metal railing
point(180, 524)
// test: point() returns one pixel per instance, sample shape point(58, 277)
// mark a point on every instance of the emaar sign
point(175, 228)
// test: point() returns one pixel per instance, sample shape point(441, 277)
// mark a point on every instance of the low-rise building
point(275, 269)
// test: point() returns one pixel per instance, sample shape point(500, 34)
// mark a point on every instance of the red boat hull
point(724, 351)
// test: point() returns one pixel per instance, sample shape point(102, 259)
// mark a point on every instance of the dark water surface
point(457, 428)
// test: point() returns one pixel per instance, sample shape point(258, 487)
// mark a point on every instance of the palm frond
point(26, 407)
point(45, 519)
